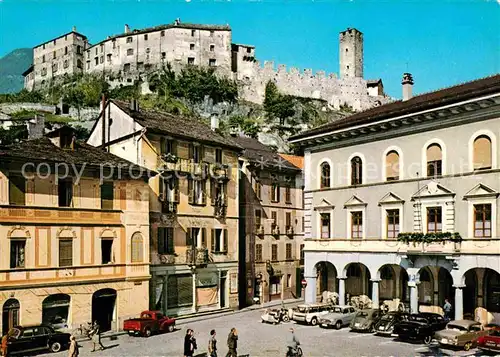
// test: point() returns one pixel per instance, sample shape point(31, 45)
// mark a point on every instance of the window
point(17, 190)
point(258, 190)
point(148, 50)
point(43, 59)
point(196, 153)
point(434, 160)
point(54, 55)
point(356, 171)
point(129, 40)
point(114, 43)
point(54, 42)
point(301, 254)
point(249, 50)
point(392, 223)
point(191, 46)
point(392, 166)
point(258, 252)
point(212, 48)
point(163, 55)
point(44, 71)
point(289, 280)
point(106, 251)
point(166, 240)
point(274, 252)
point(96, 60)
point(17, 253)
point(130, 52)
point(434, 220)
point(288, 194)
point(96, 52)
point(180, 290)
point(101, 59)
point(219, 240)
point(65, 192)
point(218, 193)
point(193, 32)
point(325, 175)
point(65, 252)
point(218, 156)
point(196, 237)
point(196, 189)
point(108, 57)
point(325, 225)
point(88, 64)
point(275, 192)
point(211, 33)
point(482, 221)
point(274, 285)
point(482, 153)
point(66, 64)
point(66, 50)
point(288, 251)
point(88, 54)
point(212, 62)
point(145, 37)
point(137, 244)
point(274, 218)
point(288, 220)
point(258, 218)
point(190, 60)
point(167, 146)
point(102, 47)
point(162, 34)
point(126, 67)
point(357, 224)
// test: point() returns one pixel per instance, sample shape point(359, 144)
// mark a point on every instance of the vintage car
point(365, 320)
point(419, 327)
point(461, 333)
point(23, 340)
point(275, 316)
point(385, 326)
point(491, 342)
point(338, 317)
point(150, 322)
point(311, 313)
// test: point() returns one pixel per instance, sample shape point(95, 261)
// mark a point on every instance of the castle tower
point(351, 53)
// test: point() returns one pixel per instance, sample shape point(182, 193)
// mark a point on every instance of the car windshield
point(146, 315)
point(456, 327)
point(388, 317)
point(416, 319)
point(336, 309)
point(362, 314)
point(303, 309)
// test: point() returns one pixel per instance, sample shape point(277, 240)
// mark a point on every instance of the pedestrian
point(292, 342)
point(5, 340)
point(232, 343)
point(73, 347)
point(447, 309)
point(212, 345)
point(96, 337)
point(189, 343)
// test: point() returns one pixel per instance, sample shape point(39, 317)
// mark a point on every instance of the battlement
point(350, 32)
point(269, 68)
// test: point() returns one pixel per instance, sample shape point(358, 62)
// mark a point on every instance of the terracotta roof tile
point(294, 159)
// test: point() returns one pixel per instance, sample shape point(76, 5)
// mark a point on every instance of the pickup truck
point(150, 322)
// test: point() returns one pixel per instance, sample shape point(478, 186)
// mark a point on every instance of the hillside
point(12, 66)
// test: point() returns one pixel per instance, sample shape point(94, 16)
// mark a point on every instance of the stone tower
point(351, 53)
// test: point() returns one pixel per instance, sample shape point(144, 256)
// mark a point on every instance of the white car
point(311, 313)
point(340, 316)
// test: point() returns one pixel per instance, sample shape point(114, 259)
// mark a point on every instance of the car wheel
point(338, 325)
point(467, 346)
point(286, 318)
point(55, 346)
point(427, 340)
point(314, 321)
point(147, 332)
point(171, 328)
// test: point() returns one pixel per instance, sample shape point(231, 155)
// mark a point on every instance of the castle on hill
point(130, 56)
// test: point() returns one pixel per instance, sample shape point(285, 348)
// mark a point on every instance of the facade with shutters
point(73, 247)
point(193, 204)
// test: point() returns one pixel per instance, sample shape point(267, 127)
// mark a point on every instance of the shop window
point(180, 290)
point(275, 285)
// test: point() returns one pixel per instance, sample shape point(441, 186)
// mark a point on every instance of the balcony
point(197, 257)
point(171, 163)
point(60, 215)
point(220, 209)
point(168, 207)
point(259, 229)
point(275, 231)
point(289, 230)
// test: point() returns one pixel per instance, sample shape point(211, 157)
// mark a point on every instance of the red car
point(491, 342)
point(150, 322)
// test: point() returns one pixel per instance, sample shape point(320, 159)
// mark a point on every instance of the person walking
point(292, 343)
point(5, 340)
point(212, 345)
point(73, 347)
point(447, 309)
point(189, 343)
point(232, 343)
point(96, 337)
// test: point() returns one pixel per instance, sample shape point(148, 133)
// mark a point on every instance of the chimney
point(214, 122)
point(407, 86)
point(36, 127)
point(73, 29)
point(134, 105)
point(127, 28)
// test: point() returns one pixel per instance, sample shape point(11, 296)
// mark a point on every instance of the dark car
point(385, 326)
point(23, 339)
point(419, 327)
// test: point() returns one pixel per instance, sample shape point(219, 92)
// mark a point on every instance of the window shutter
point(214, 237)
point(212, 192)
point(189, 238)
point(170, 240)
point(174, 147)
point(65, 252)
point(161, 240)
point(163, 142)
point(203, 192)
point(225, 241)
point(190, 190)
point(204, 237)
point(176, 190)
point(190, 151)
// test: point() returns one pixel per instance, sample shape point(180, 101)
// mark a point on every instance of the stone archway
point(104, 308)
point(357, 280)
point(10, 315)
point(326, 278)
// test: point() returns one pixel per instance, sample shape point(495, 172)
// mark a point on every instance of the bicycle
point(292, 353)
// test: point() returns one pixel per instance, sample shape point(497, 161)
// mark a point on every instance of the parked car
point(491, 342)
point(365, 320)
point(275, 316)
point(461, 333)
point(311, 313)
point(150, 322)
point(27, 339)
point(419, 327)
point(338, 317)
point(385, 326)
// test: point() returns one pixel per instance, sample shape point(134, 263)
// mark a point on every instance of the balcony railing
point(170, 163)
point(168, 207)
point(220, 210)
point(289, 230)
point(28, 214)
point(197, 257)
point(275, 230)
point(259, 229)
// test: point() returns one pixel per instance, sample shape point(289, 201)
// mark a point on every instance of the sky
point(442, 43)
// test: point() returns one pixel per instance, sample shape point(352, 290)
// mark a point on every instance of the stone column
point(310, 294)
point(194, 291)
point(459, 302)
point(375, 302)
point(413, 298)
point(342, 291)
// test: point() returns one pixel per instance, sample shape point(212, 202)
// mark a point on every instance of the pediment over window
point(390, 198)
point(480, 191)
point(432, 189)
point(324, 205)
point(354, 201)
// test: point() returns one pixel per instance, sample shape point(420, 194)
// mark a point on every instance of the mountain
point(12, 66)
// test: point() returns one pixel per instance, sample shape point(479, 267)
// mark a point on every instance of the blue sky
point(440, 43)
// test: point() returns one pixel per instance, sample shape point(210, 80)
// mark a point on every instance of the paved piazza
point(257, 339)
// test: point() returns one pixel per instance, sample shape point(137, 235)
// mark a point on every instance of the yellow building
point(193, 203)
point(74, 234)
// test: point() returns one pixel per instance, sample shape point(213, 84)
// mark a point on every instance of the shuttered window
point(392, 166)
point(482, 153)
point(107, 195)
point(65, 252)
point(258, 252)
point(179, 290)
point(137, 243)
point(17, 190)
point(166, 240)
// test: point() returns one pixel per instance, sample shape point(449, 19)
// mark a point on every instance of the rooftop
point(426, 101)
point(56, 38)
point(294, 159)
point(177, 125)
